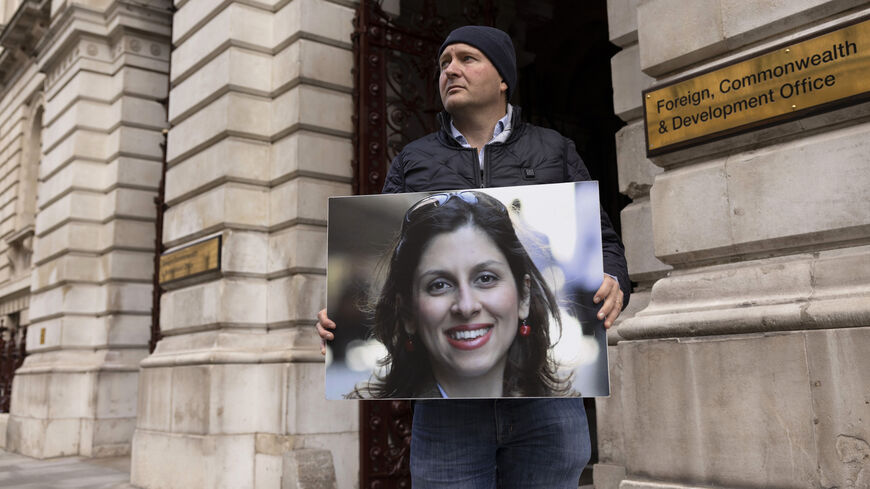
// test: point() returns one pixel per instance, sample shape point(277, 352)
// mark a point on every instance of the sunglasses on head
point(440, 199)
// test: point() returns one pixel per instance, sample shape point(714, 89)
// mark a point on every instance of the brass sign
point(818, 73)
point(195, 259)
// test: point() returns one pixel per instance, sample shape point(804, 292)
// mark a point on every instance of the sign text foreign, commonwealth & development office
point(771, 87)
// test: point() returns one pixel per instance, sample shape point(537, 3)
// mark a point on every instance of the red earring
point(525, 329)
point(409, 345)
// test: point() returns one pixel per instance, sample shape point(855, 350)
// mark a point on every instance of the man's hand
point(611, 294)
point(324, 324)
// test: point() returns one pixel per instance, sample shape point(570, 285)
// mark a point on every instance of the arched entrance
point(563, 56)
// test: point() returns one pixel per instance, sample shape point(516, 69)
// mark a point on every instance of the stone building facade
point(82, 121)
point(260, 114)
point(249, 105)
point(745, 363)
point(741, 362)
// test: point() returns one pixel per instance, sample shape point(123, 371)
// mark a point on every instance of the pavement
point(20, 472)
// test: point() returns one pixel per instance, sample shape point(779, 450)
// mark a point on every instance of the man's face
point(469, 80)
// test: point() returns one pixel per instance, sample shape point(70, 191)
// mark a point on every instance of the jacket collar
point(446, 137)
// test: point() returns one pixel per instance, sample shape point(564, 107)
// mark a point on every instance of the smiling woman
point(464, 312)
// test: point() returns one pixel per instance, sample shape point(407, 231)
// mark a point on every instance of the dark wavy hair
point(529, 372)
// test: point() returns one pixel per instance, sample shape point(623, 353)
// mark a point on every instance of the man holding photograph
point(517, 443)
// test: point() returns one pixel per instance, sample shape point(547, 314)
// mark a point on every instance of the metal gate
point(396, 101)
point(13, 340)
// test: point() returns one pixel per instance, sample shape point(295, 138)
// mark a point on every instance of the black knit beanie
point(495, 44)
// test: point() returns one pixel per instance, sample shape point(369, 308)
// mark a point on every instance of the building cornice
point(21, 36)
point(76, 22)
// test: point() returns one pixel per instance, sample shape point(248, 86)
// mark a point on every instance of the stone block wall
point(636, 172)
point(21, 108)
point(7, 10)
point(744, 368)
point(636, 175)
point(260, 113)
point(105, 69)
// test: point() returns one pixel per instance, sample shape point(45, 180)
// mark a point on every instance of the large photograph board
point(466, 294)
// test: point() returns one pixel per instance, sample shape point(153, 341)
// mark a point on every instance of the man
point(505, 443)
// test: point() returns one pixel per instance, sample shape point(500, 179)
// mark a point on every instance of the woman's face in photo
point(466, 303)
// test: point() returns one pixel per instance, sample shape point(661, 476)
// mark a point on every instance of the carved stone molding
point(80, 35)
point(20, 251)
point(21, 36)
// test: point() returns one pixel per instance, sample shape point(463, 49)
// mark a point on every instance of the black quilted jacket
point(531, 155)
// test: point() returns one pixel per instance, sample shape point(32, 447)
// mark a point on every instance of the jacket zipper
point(483, 172)
point(479, 172)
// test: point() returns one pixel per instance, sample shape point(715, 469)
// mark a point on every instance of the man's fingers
point(611, 294)
point(607, 307)
point(324, 334)
point(605, 290)
point(614, 312)
point(324, 323)
point(606, 293)
point(615, 309)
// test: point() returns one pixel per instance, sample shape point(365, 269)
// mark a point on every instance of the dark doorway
point(563, 56)
point(563, 53)
point(13, 341)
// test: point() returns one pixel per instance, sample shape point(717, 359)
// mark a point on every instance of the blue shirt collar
point(501, 126)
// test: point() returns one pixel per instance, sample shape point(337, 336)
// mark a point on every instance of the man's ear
point(503, 87)
point(526, 298)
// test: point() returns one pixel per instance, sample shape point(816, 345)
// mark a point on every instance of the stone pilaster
point(105, 66)
point(21, 108)
point(636, 172)
point(260, 109)
point(745, 368)
point(636, 175)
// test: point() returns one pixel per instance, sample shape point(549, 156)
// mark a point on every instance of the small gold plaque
point(816, 74)
point(41, 336)
point(195, 259)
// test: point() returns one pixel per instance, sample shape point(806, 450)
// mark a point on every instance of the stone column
point(260, 108)
point(636, 176)
point(105, 66)
point(21, 108)
point(748, 366)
